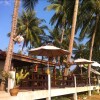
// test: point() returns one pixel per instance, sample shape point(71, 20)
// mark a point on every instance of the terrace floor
point(39, 94)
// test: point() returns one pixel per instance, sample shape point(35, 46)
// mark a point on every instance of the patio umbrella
point(96, 64)
point(84, 61)
point(81, 61)
point(49, 51)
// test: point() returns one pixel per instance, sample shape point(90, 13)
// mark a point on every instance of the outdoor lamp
point(19, 39)
point(81, 65)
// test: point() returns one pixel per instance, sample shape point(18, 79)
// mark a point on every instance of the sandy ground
point(93, 97)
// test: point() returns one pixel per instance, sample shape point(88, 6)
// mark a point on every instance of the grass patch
point(64, 97)
point(82, 95)
point(95, 92)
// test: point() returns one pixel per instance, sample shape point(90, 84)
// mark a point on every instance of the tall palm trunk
point(72, 33)
point(13, 32)
point(92, 43)
point(62, 35)
point(73, 29)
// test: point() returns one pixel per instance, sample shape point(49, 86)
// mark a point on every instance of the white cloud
point(6, 2)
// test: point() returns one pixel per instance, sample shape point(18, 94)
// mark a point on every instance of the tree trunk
point(73, 29)
point(62, 35)
point(91, 48)
point(72, 32)
point(13, 32)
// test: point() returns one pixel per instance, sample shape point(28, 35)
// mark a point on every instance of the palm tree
point(73, 29)
point(27, 4)
point(79, 51)
point(59, 17)
point(13, 32)
point(29, 26)
point(72, 34)
point(62, 18)
point(89, 20)
point(63, 11)
point(56, 35)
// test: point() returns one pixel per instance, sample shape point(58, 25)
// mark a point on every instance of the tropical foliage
point(29, 26)
point(62, 16)
point(21, 75)
point(29, 5)
point(88, 23)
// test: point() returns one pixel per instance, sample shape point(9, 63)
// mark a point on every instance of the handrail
point(40, 81)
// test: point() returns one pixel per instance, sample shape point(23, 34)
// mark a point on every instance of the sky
point(6, 12)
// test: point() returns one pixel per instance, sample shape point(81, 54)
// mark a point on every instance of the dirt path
point(93, 97)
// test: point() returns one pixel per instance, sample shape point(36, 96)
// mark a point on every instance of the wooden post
point(89, 79)
point(75, 94)
point(98, 85)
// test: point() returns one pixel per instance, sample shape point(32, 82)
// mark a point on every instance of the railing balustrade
point(40, 81)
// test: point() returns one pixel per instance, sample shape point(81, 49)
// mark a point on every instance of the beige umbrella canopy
point(96, 64)
point(82, 61)
point(49, 51)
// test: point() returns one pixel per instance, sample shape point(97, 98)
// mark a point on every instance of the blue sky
point(6, 11)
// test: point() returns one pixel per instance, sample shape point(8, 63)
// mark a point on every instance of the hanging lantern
point(81, 65)
point(19, 39)
point(36, 68)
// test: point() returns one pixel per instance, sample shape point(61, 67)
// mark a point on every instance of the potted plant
point(4, 78)
point(18, 76)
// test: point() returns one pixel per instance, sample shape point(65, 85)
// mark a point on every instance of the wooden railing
point(36, 81)
point(40, 81)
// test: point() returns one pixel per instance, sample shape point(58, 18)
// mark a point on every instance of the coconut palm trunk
point(91, 48)
point(13, 33)
point(62, 35)
point(72, 33)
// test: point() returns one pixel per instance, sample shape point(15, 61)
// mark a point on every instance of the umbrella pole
point(81, 70)
point(49, 82)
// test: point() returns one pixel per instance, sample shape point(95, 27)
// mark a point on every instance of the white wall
point(38, 94)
